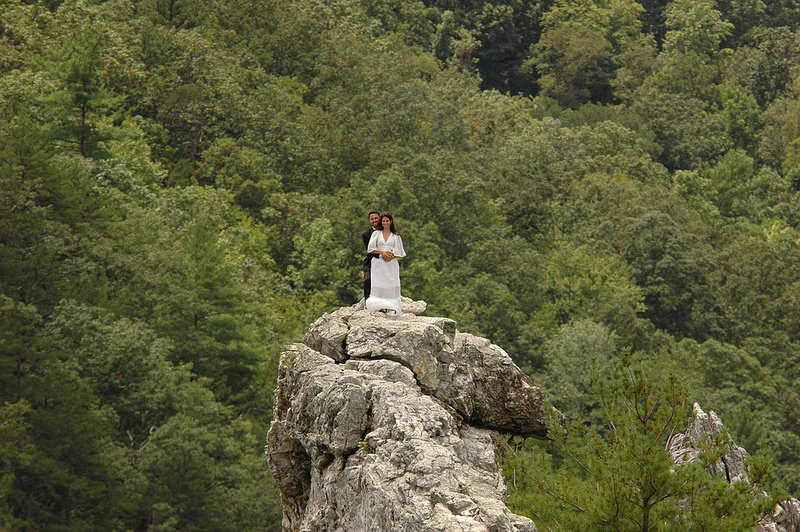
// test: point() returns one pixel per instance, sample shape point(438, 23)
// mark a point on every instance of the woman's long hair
point(392, 228)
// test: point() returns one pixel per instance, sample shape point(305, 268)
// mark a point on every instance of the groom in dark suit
point(374, 221)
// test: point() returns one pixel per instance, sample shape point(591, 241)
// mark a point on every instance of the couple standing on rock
point(381, 268)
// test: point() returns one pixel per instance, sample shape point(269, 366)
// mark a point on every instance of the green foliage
point(183, 187)
point(695, 26)
point(689, 134)
point(318, 253)
point(197, 471)
point(579, 285)
point(765, 69)
point(84, 98)
point(578, 348)
point(574, 63)
point(54, 470)
point(739, 191)
point(581, 47)
point(743, 116)
point(493, 37)
point(366, 447)
point(622, 477)
point(123, 362)
point(46, 203)
point(241, 170)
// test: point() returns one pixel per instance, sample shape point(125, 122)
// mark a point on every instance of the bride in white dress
point(386, 246)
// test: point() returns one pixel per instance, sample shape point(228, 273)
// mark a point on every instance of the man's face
point(374, 219)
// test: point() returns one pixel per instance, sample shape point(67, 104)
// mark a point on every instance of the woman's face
point(386, 222)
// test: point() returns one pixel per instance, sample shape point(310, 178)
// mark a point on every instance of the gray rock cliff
point(387, 423)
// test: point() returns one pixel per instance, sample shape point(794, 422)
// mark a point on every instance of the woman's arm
point(372, 247)
point(397, 248)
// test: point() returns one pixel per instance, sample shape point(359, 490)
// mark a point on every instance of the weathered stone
point(500, 395)
point(414, 307)
point(328, 333)
point(385, 369)
point(475, 377)
point(685, 448)
point(380, 441)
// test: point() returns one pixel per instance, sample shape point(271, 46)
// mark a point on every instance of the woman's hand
point(387, 255)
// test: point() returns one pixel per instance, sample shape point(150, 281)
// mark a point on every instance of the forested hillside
point(183, 185)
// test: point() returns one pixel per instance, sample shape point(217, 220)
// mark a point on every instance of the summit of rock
point(388, 423)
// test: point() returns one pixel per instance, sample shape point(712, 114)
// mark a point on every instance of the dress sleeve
point(397, 247)
point(373, 242)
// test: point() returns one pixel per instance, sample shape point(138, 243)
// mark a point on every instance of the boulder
point(387, 423)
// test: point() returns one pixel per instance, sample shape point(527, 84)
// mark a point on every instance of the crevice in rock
point(324, 460)
point(292, 469)
point(368, 424)
point(347, 454)
point(727, 469)
point(457, 416)
point(345, 356)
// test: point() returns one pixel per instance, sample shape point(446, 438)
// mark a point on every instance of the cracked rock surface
point(387, 423)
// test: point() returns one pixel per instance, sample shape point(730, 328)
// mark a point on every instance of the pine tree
point(621, 477)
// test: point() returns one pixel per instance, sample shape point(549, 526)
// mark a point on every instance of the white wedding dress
point(385, 276)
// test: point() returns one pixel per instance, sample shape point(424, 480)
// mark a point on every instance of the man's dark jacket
point(367, 265)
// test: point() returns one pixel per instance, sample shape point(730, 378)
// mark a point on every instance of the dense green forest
point(183, 185)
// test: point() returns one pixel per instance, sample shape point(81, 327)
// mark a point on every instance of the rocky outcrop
point(386, 423)
point(685, 447)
